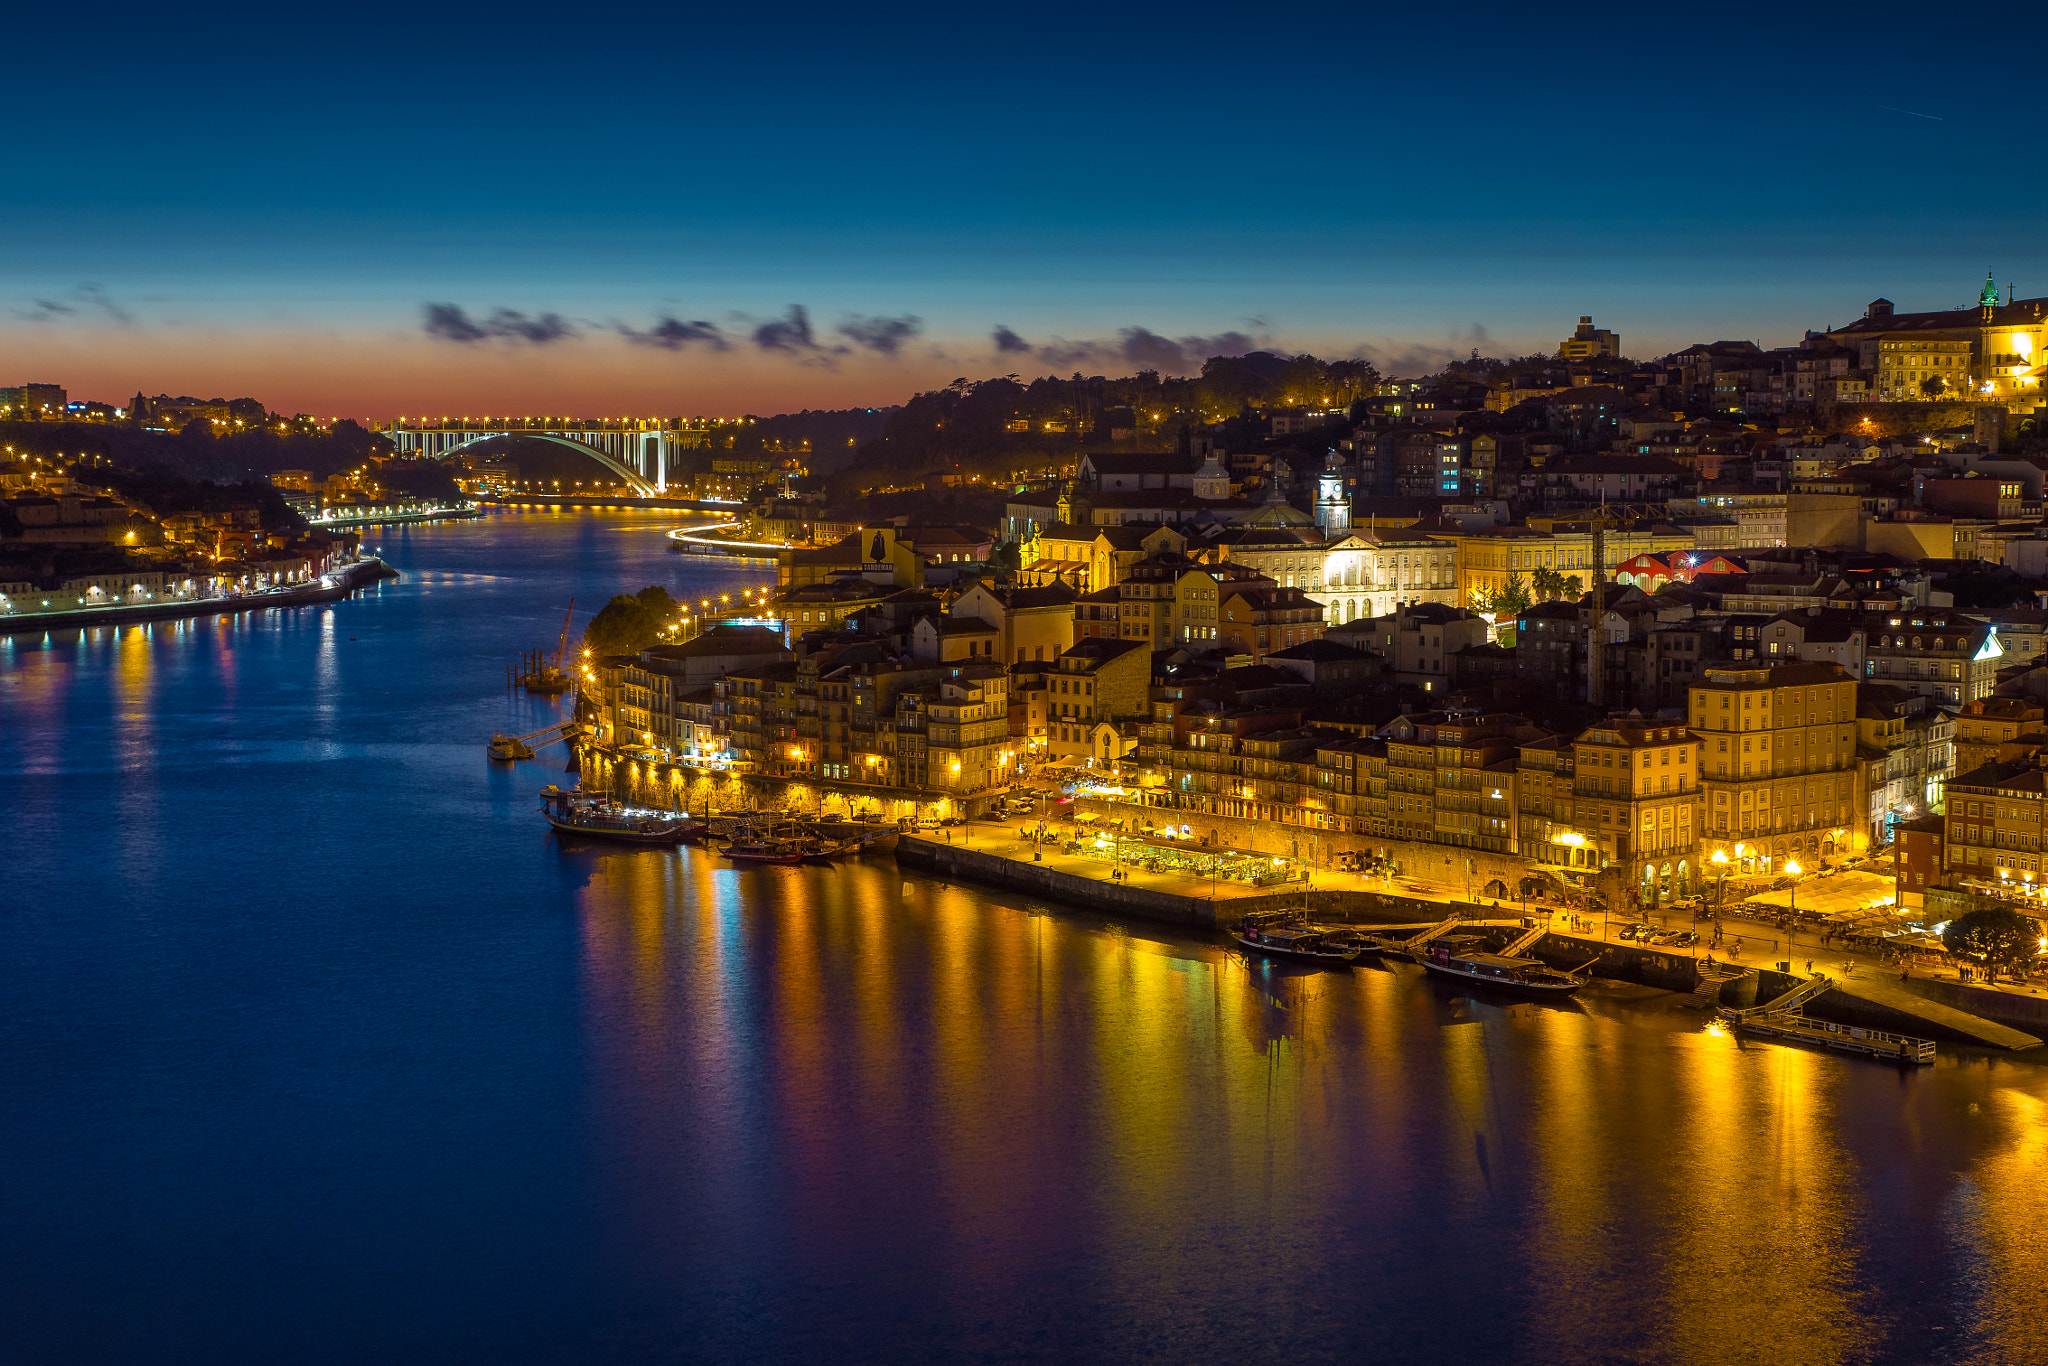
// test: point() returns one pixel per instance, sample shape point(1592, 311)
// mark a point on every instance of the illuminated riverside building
point(1993, 832)
point(655, 700)
point(852, 712)
point(1778, 767)
point(1635, 795)
point(1623, 793)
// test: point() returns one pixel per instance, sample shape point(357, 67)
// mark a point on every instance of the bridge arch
point(633, 477)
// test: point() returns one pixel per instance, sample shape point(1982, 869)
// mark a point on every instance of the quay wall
point(350, 579)
point(972, 865)
point(1662, 968)
point(2021, 1012)
point(1072, 889)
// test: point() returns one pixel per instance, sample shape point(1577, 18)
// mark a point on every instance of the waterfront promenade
point(1989, 1013)
point(332, 586)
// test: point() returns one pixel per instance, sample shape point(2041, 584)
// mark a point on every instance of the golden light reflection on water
point(910, 1071)
point(2001, 1233)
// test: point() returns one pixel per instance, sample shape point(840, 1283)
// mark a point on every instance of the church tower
point(1212, 480)
point(1333, 500)
point(1988, 299)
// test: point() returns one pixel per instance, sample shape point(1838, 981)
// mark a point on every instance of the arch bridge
point(637, 451)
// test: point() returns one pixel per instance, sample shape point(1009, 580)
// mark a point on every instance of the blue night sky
point(619, 209)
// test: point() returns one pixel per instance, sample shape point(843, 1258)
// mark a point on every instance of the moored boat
point(766, 851)
point(1296, 943)
point(599, 817)
point(1524, 976)
point(508, 748)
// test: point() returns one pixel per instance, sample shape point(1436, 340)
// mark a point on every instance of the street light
point(1792, 909)
point(1720, 860)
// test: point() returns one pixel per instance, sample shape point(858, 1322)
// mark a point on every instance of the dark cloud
point(96, 297)
point(1007, 341)
point(1425, 358)
point(1222, 344)
point(885, 335)
point(1147, 350)
point(790, 332)
point(89, 298)
point(1061, 353)
point(450, 322)
point(673, 334)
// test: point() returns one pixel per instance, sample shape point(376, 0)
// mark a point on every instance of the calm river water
point(316, 1046)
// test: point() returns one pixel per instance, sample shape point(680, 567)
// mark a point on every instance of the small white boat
point(508, 748)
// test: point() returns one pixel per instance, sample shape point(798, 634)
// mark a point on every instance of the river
point(316, 1046)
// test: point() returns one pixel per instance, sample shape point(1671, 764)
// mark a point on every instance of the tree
point(1005, 560)
point(1513, 598)
point(1932, 386)
point(1996, 936)
point(1548, 584)
point(1574, 586)
point(628, 625)
point(655, 599)
point(1483, 599)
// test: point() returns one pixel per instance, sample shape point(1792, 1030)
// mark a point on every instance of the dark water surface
point(316, 1047)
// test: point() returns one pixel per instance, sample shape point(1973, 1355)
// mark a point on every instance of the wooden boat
point(1524, 976)
point(766, 851)
point(599, 817)
point(508, 748)
point(1296, 943)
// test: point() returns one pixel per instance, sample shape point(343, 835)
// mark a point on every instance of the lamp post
point(1720, 861)
point(1792, 871)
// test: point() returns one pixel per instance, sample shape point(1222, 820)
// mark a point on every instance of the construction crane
point(549, 678)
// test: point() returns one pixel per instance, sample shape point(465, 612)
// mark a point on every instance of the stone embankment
point(1873, 1001)
point(346, 581)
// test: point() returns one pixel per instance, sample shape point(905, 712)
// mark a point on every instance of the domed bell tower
point(1333, 500)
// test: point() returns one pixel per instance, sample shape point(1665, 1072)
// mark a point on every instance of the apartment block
point(1778, 768)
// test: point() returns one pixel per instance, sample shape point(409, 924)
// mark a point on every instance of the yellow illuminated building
point(1635, 797)
point(1909, 362)
point(1488, 558)
point(1778, 768)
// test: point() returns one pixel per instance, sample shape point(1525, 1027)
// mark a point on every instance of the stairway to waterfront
point(1714, 976)
point(1796, 997)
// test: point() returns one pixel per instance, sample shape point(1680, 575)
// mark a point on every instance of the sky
point(388, 210)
